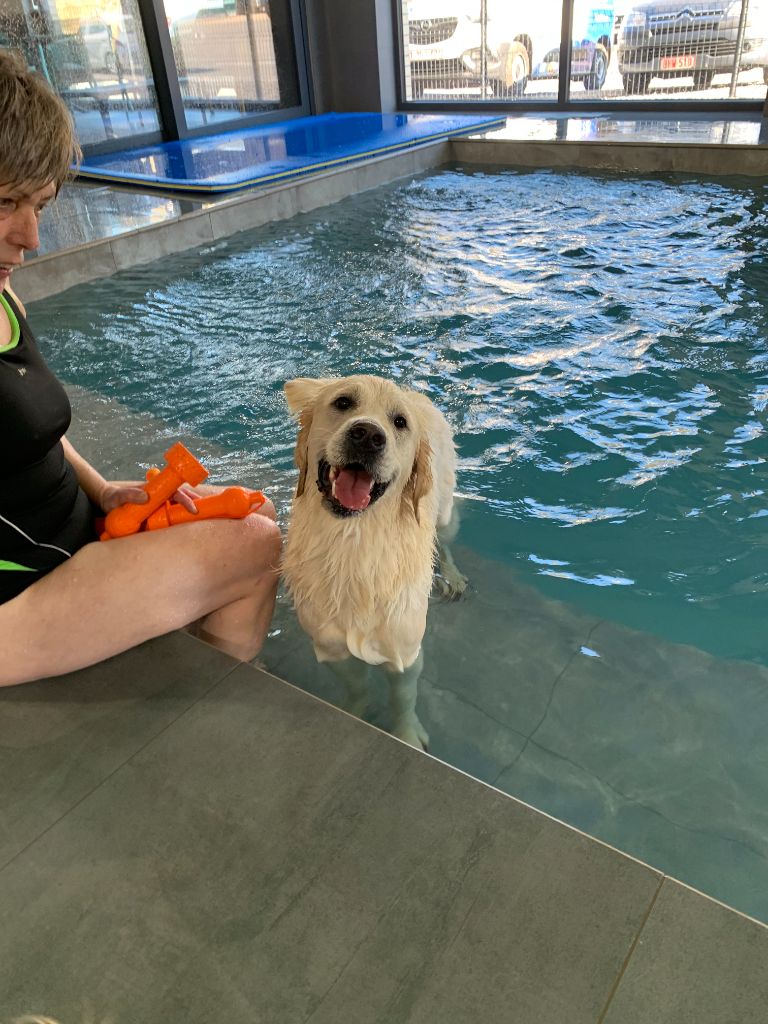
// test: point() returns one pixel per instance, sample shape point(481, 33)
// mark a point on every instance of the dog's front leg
point(353, 673)
point(403, 687)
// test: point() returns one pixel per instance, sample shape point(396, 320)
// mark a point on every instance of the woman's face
point(20, 209)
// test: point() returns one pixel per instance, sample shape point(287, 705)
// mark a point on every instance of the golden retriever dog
point(377, 471)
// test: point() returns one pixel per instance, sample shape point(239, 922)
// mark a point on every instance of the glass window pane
point(468, 50)
point(464, 49)
point(234, 58)
point(93, 53)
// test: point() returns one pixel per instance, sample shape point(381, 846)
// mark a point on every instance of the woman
point(67, 601)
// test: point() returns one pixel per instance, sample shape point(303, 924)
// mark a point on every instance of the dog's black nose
point(367, 437)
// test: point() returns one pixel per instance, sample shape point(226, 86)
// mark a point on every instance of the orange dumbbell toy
point(231, 503)
point(182, 468)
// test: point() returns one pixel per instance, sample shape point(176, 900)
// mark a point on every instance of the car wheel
point(596, 78)
point(516, 71)
point(702, 79)
point(637, 84)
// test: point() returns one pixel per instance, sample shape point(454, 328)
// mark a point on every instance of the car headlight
point(636, 19)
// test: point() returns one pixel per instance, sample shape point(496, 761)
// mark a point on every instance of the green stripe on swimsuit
point(15, 327)
point(14, 566)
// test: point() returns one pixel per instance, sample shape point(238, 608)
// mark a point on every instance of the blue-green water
point(600, 344)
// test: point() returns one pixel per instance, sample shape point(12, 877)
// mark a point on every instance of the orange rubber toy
point(182, 468)
point(231, 503)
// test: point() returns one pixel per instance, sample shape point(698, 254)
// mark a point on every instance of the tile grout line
point(118, 768)
point(630, 953)
point(529, 736)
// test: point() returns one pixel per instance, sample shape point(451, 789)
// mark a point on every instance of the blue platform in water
point(235, 160)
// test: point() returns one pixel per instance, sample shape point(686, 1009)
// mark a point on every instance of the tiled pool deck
point(186, 838)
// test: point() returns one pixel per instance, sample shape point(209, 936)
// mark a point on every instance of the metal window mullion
point(400, 54)
point(303, 64)
point(564, 71)
point(163, 65)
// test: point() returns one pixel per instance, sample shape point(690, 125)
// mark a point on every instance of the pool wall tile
point(175, 236)
point(61, 738)
point(696, 962)
point(229, 218)
point(48, 275)
point(648, 158)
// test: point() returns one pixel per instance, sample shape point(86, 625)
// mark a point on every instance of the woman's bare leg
point(111, 596)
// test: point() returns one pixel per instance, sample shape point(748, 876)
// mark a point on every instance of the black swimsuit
point(45, 515)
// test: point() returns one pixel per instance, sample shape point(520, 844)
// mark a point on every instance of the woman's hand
point(186, 496)
point(114, 495)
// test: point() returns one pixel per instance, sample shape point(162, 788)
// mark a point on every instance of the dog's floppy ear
point(301, 395)
point(420, 481)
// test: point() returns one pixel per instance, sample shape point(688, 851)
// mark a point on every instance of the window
point(234, 58)
point(95, 57)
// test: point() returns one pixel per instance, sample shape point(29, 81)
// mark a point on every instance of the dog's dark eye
point(343, 402)
point(400, 422)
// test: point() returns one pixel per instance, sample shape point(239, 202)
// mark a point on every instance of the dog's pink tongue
point(353, 488)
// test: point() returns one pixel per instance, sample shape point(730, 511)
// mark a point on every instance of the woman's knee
point(268, 510)
point(261, 542)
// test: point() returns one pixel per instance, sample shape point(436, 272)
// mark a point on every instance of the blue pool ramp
point(248, 157)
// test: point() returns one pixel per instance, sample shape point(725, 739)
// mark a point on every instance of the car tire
point(702, 79)
point(595, 80)
point(636, 84)
point(516, 70)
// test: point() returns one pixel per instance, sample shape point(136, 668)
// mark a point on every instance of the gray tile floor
point(188, 839)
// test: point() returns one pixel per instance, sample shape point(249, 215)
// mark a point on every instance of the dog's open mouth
point(350, 489)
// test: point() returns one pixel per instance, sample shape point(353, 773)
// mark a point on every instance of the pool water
point(600, 344)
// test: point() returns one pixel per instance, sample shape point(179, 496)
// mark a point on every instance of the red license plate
point(682, 63)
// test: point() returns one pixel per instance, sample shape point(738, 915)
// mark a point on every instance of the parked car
point(689, 38)
point(445, 44)
point(592, 37)
point(106, 51)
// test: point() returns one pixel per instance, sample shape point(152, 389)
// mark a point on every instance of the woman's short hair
point(37, 137)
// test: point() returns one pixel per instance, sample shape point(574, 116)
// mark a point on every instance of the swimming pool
point(599, 344)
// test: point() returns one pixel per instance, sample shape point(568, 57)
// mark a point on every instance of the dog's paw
point(411, 731)
point(450, 586)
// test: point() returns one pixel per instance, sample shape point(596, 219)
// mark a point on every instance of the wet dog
point(377, 471)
